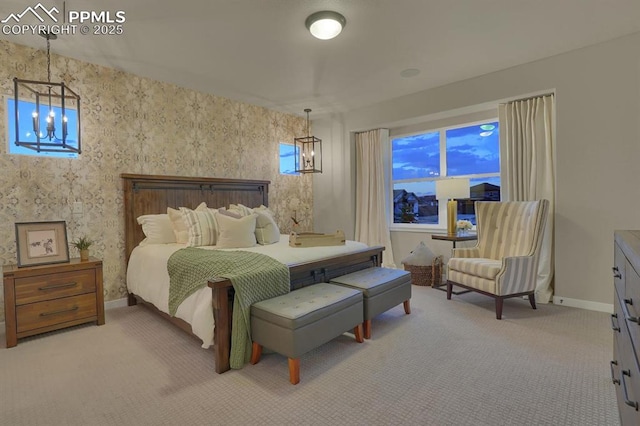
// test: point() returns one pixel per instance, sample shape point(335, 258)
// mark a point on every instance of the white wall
point(597, 152)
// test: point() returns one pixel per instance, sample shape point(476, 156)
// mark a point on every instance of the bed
point(152, 194)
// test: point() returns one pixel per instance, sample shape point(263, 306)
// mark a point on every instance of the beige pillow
point(201, 225)
point(265, 209)
point(267, 231)
point(157, 229)
point(236, 233)
point(180, 228)
point(240, 209)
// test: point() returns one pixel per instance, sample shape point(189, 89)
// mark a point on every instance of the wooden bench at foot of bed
point(302, 274)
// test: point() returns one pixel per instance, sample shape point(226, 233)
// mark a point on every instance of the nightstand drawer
point(48, 313)
point(53, 286)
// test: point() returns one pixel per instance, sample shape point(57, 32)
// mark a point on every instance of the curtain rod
point(530, 97)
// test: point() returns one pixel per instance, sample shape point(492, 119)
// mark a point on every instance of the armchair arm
point(518, 275)
point(465, 252)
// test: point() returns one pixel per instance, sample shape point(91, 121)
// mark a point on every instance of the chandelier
point(47, 115)
point(308, 152)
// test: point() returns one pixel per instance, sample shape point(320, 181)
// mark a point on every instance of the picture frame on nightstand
point(41, 243)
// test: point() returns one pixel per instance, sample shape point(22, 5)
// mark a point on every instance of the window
point(471, 151)
point(26, 109)
point(288, 159)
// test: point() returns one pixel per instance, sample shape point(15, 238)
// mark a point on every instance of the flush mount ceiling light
point(326, 24)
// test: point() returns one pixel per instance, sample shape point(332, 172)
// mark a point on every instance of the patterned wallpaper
point(132, 124)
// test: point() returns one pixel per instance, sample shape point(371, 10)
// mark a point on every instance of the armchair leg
point(449, 289)
point(499, 301)
point(532, 300)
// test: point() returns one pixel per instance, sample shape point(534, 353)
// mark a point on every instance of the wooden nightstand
point(44, 298)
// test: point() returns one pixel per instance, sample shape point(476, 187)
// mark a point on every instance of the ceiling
point(259, 51)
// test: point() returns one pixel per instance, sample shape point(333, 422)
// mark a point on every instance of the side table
point(38, 299)
point(454, 239)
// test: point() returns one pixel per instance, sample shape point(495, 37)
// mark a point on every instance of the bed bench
point(299, 321)
point(382, 288)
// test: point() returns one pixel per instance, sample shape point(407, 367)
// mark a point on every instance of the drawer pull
point(613, 326)
point(633, 404)
point(613, 377)
point(57, 286)
point(63, 311)
point(616, 272)
point(633, 319)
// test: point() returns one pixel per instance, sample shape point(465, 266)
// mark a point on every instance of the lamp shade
point(450, 189)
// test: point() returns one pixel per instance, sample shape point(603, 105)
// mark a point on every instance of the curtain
point(527, 173)
point(371, 205)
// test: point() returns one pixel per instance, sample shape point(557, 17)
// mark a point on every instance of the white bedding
point(148, 278)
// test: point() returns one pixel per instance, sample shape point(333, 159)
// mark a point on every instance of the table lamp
point(450, 189)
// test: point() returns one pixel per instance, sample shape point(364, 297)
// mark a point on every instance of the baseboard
point(583, 304)
point(118, 303)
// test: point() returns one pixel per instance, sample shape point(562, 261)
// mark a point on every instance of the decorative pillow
point(265, 209)
point(242, 210)
point(180, 228)
point(236, 233)
point(157, 229)
point(201, 225)
point(267, 231)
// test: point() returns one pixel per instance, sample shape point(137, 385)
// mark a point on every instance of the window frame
point(8, 102)
point(295, 153)
point(441, 226)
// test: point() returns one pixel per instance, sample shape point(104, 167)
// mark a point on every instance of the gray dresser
point(625, 322)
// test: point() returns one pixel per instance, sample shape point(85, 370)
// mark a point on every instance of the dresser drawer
point(629, 376)
point(57, 311)
point(53, 286)
point(631, 305)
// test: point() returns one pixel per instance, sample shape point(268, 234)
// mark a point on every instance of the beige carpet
point(448, 363)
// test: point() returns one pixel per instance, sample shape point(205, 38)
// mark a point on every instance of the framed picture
point(41, 243)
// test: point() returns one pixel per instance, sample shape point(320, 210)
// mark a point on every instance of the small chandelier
point(308, 152)
point(54, 112)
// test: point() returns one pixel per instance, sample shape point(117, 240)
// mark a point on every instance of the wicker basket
point(426, 275)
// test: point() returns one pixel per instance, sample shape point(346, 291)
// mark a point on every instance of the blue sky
point(25, 111)
point(470, 150)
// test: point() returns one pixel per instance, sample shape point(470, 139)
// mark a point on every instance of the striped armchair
point(504, 262)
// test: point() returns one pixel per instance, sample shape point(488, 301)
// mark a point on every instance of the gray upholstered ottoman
point(304, 319)
point(383, 288)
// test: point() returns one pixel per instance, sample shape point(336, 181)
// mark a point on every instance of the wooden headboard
point(152, 194)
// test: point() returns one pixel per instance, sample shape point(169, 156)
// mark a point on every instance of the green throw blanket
point(254, 276)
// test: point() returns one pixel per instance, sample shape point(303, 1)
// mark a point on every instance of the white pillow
point(157, 229)
point(236, 233)
point(201, 225)
point(265, 209)
point(240, 209)
point(267, 231)
point(180, 228)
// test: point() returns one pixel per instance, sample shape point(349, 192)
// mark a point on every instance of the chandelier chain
point(48, 60)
